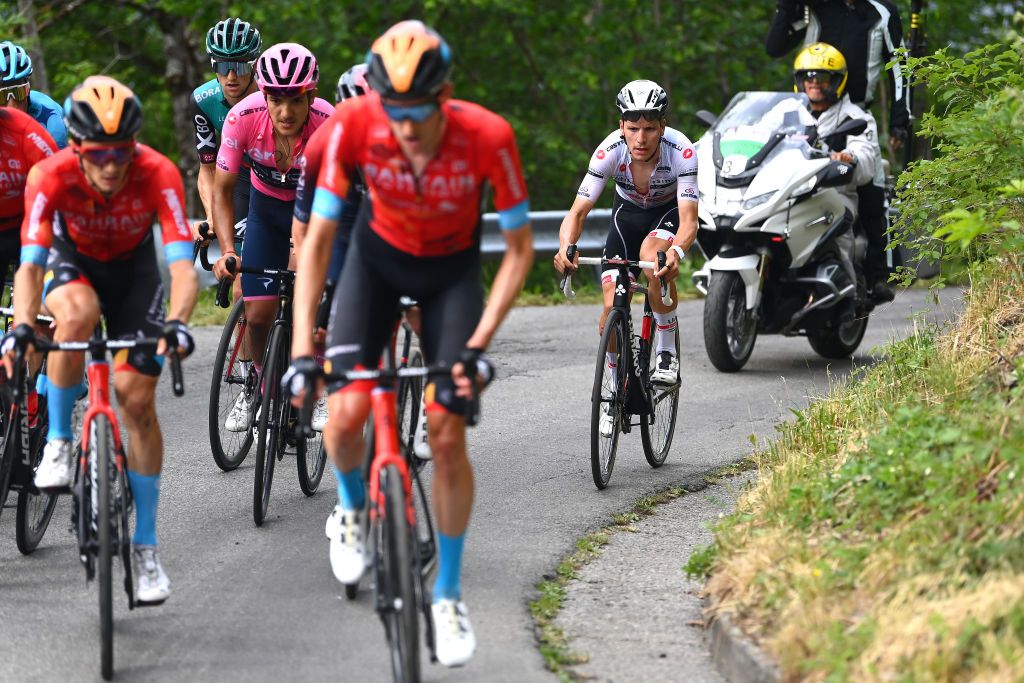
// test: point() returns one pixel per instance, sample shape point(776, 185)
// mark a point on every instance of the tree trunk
point(183, 73)
point(40, 77)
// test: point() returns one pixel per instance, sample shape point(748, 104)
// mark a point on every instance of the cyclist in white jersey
point(654, 168)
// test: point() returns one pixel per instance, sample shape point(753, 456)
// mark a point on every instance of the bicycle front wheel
point(311, 458)
point(34, 508)
point(273, 413)
point(657, 429)
point(101, 444)
point(397, 588)
point(233, 380)
point(607, 401)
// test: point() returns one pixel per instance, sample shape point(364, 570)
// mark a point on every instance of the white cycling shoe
point(56, 468)
point(606, 425)
point(319, 418)
point(152, 586)
point(453, 634)
point(348, 550)
point(241, 413)
point(667, 371)
point(420, 442)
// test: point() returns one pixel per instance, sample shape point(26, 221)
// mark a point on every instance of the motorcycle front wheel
point(730, 328)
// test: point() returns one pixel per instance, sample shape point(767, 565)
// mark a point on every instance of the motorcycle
point(769, 221)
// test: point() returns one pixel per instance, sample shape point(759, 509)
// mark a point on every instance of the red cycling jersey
point(437, 213)
point(100, 228)
point(23, 143)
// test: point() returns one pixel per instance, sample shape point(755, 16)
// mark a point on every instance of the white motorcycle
point(769, 219)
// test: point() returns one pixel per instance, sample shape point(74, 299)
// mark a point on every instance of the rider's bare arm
point(571, 229)
point(515, 265)
point(205, 183)
point(223, 216)
point(184, 288)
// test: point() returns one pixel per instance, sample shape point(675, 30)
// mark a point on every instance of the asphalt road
point(261, 604)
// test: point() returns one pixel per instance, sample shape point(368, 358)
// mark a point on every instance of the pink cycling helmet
point(287, 68)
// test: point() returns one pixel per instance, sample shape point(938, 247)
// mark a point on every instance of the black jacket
point(867, 33)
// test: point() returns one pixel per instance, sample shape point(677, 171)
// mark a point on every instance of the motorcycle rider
point(820, 72)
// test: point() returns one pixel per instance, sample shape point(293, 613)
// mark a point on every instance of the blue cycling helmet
point(15, 64)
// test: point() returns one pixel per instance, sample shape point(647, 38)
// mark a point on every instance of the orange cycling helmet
point(102, 109)
point(410, 61)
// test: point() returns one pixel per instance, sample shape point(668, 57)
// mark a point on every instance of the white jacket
point(864, 147)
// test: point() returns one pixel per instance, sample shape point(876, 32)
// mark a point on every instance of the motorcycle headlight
point(760, 199)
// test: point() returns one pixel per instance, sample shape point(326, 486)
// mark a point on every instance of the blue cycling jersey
point(49, 115)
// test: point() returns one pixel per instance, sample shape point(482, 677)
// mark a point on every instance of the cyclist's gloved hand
point(475, 358)
point(301, 374)
point(22, 336)
point(180, 333)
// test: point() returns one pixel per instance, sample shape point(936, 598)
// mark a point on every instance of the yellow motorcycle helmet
point(821, 58)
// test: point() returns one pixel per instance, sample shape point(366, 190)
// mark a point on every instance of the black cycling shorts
point(366, 308)
point(631, 225)
point(130, 291)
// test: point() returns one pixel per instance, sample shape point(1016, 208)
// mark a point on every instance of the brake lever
point(666, 297)
point(566, 285)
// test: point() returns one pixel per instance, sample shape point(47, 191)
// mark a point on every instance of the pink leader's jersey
point(249, 130)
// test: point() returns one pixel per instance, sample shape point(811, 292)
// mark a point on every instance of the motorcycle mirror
point(706, 117)
point(851, 127)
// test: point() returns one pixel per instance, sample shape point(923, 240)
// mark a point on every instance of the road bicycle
point(402, 546)
point(101, 493)
point(623, 389)
point(24, 435)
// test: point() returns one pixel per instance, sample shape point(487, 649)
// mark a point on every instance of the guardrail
point(545, 225)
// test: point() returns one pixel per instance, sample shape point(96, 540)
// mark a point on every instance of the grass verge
point(206, 311)
point(885, 538)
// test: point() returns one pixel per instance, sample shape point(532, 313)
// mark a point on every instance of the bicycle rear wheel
point(231, 377)
point(9, 449)
point(656, 430)
point(35, 508)
point(397, 598)
point(101, 445)
point(607, 399)
point(273, 413)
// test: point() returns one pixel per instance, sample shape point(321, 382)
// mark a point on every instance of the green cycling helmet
point(233, 39)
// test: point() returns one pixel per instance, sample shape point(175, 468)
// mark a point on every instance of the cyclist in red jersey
point(88, 235)
point(426, 160)
point(23, 143)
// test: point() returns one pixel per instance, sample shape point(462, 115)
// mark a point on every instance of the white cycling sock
point(665, 337)
point(611, 367)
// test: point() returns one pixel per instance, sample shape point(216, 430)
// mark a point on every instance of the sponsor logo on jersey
point(174, 204)
point(38, 207)
point(40, 144)
point(688, 152)
point(389, 179)
point(15, 164)
point(600, 154)
point(205, 94)
point(511, 173)
point(232, 119)
point(622, 168)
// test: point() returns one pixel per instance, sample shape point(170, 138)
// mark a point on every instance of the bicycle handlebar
point(435, 370)
point(570, 254)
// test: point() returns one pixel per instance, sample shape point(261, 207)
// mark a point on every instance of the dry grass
point(885, 539)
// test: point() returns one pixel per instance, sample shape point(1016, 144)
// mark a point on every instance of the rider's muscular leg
point(259, 315)
point(136, 396)
point(453, 498)
point(343, 438)
point(76, 309)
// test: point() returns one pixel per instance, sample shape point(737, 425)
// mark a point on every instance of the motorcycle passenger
point(869, 33)
point(819, 71)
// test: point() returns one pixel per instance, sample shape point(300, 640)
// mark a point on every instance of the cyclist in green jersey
point(233, 46)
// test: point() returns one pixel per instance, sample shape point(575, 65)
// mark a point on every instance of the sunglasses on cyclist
point(224, 68)
point(635, 115)
point(417, 113)
point(270, 91)
point(101, 156)
point(820, 77)
point(18, 93)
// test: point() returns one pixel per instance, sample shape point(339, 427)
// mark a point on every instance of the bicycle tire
point(657, 430)
point(410, 394)
point(9, 448)
point(398, 589)
point(310, 459)
point(100, 449)
point(35, 509)
point(273, 412)
point(602, 449)
point(229, 449)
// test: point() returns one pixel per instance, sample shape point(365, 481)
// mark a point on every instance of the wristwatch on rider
point(679, 251)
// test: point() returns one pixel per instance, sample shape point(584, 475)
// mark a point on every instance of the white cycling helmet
point(642, 98)
point(352, 83)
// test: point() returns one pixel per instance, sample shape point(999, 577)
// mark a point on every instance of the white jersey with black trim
point(674, 178)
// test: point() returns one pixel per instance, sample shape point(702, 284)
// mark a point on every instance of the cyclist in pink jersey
point(272, 128)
